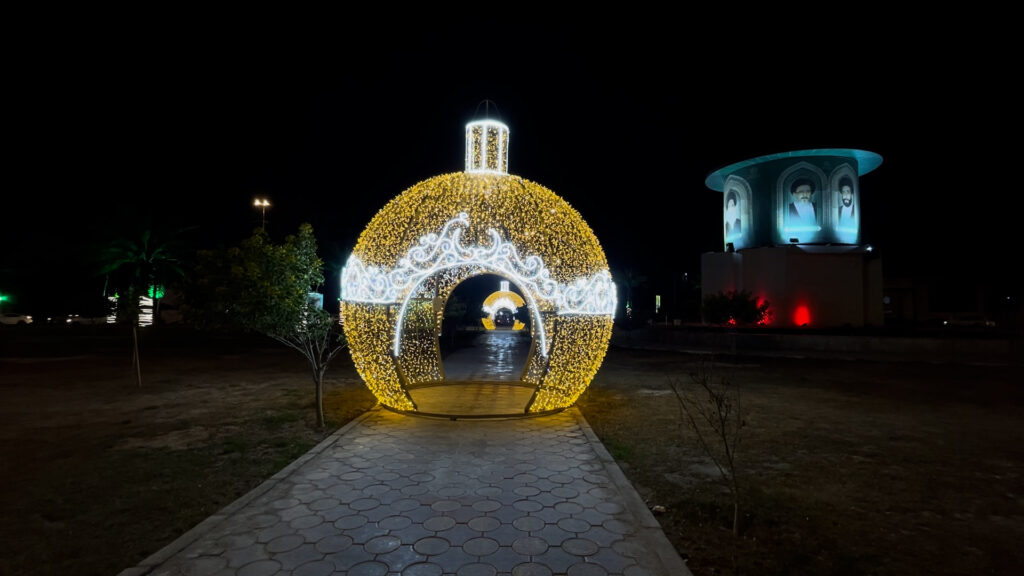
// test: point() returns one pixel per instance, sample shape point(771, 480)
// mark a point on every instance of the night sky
point(165, 131)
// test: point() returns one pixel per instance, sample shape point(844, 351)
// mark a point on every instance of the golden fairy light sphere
point(443, 230)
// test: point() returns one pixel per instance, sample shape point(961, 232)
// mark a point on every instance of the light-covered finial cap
point(487, 147)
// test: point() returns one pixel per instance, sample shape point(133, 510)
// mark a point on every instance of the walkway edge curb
point(209, 523)
point(653, 532)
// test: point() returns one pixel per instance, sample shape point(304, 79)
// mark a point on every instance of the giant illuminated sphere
point(443, 230)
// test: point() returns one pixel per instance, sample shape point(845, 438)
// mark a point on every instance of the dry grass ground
point(846, 468)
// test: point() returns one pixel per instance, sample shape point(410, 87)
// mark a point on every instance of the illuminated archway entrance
point(475, 347)
point(438, 233)
point(500, 309)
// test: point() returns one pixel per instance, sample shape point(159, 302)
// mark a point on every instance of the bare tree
point(712, 408)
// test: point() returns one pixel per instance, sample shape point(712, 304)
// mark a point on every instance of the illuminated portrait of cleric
point(733, 222)
point(846, 203)
point(736, 211)
point(800, 201)
point(802, 207)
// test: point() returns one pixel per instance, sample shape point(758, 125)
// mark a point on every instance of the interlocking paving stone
point(242, 556)
point(528, 523)
point(457, 535)
point(431, 546)
point(351, 521)
point(592, 516)
point(423, 569)
point(552, 534)
point(530, 546)
point(365, 533)
point(574, 525)
point(394, 522)
point(334, 514)
point(399, 495)
point(303, 522)
point(402, 557)
point(371, 568)
point(504, 559)
point(284, 543)
point(480, 546)
point(349, 557)
point(527, 505)
point(439, 523)
point(586, 569)
point(412, 533)
point(315, 533)
point(483, 523)
point(332, 544)
point(315, 568)
point(478, 569)
point(453, 559)
point(382, 544)
point(580, 546)
point(260, 568)
point(298, 556)
point(486, 505)
point(557, 560)
point(619, 526)
point(568, 508)
point(405, 504)
point(531, 569)
point(550, 515)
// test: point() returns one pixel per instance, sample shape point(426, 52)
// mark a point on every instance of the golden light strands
point(451, 227)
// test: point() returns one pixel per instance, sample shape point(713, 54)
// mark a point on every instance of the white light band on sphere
point(436, 252)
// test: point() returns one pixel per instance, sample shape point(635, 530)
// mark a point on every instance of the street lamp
point(262, 203)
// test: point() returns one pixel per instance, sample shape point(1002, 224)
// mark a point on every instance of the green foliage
point(133, 265)
point(261, 287)
point(734, 308)
point(256, 286)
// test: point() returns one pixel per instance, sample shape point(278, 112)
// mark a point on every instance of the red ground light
point(767, 316)
point(802, 316)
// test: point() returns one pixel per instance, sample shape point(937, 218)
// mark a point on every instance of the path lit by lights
point(495, 355)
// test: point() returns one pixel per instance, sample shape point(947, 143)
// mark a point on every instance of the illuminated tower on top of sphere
point(446, 229)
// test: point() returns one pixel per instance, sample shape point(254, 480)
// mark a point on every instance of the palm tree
point(135, 266)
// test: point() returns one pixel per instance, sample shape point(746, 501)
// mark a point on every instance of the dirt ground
point(844, 467)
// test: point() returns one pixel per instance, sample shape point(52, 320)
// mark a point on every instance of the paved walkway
point(495, 355)
point(403, 495)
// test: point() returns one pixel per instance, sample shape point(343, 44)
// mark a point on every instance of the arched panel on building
point(738, 213)
point(799, 198)
point(844, 210)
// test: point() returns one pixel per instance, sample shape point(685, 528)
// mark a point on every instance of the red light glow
point(802, 316)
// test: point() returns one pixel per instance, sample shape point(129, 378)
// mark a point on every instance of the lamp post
point(262, 203)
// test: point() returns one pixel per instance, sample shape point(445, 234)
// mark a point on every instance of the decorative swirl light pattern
point(436, 252)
